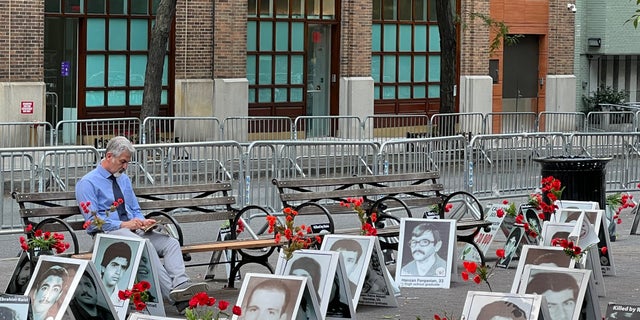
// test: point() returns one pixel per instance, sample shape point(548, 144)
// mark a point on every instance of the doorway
point(60, 68)
point(318, 73)
point(520, 83)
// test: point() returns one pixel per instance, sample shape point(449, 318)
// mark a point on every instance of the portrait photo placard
point(52, 286)
point(576, 204)
point(262, 293)
point(484, 239)
point(90, 299)
point(540, 256)
point(482, 305)
point(148, 272)
point(425, 253)
point(356, 254)
point(511, 246)
point(322, 270)
point(598, 221)
point(117, 259)
point(20, 276)
point(14, 306)
point(564, 289)
point(378, 288)
point(622, 311)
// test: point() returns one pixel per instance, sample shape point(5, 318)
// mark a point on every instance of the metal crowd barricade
point(468, 124)
point(502, 165)
point(96, 132)
point(327, 128)
point(447, 155)
point(25, 134)
point(266, 160)
point(611, 121)
point(180, 129)
point(510, 122)
point(186, 163)
point(621, 171)
point(382, 127)
point(249, 129)
point(562, 122)
point(39, 169)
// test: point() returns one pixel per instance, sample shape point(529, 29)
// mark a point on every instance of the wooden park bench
point(59, 211)
point(383, 194)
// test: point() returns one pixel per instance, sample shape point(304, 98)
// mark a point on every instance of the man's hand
point(133, 224)
point(148, 222)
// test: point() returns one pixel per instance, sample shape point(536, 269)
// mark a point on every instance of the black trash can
point(584, 178)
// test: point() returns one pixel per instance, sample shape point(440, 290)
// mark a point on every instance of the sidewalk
point(424, 303)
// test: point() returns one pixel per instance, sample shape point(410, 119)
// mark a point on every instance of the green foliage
point(501, 30)
point(635, 18)
point(604, 94)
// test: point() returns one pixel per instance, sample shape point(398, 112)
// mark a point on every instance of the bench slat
point(401, 177)
point(195, 188)
point(186, 203)
point(312, 195)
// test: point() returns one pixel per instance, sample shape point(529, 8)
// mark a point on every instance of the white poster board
point(378, 288)
point(425, 253)
point(483, 305)
point(484, 238)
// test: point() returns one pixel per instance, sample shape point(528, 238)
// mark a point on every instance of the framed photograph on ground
point(425, 252)
point(117, 259)
point(484, 238)
point(576, 204)
point(598, 221)
point(14, 307)
point(482, 305)
point(356, 253)
point(532, 217)
point(21, 275)
point(511, 246)
point(378, 288)
point(52, 286)
point(90, 299)
point(263, 294)
point(565, 290)
point(553, 230)
point(540, 256)
point(147, 272)
point(140, 316)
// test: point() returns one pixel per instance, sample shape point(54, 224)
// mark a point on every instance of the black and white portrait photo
point(51, 287)
point(481, 305)
point(540, 256)
point(117, 259)
point(14, 307)
point(21, 275)
point(270, 297)
point(563, 288)
point(356, 253)
point(425, 252)
point(511, 246)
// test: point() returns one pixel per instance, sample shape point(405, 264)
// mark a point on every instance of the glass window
point(117, 71)
point(420, 38)
point(265, 76)
point(265, 8)
point(139, 35)
point(280, 95)
point(137, 67)
point(404, 10)
point(419, 10)
point(296, 95)
point(165, 71)
point(139, 6)
point(96, 6)
point(264, 95)
point(328, 9)
point(73, 6)
point(434, 91)
point(282, 36)
point(95, 71)
point(377, 14)
point(118, 34)
point(135, 97)
point(252, 95)
point(94, 98)
point(404, 69)
point(434, 39)
point(282, 8)
point(95, 34)
point(389, 71)
point(434, 68)
point(116, 98)
point(377, 37)
point(405, 38)
point(419, 92)
point(251, 69)
point(297, 8)
point(282, 70)
point(390, 41)
point(297, 69)
point(251, 36)
point(52, 6)
point(252, 8)
point(420, 68)
point(389, 10)
point(404, 92)
point(388, 92)
point(297, 36)
point(375, 68)
point(266, 36)
point(117, 6)
point(433, 17)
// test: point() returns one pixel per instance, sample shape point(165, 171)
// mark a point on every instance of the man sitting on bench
point(106, 184)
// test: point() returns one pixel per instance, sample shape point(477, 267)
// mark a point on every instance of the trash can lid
point(574, 162)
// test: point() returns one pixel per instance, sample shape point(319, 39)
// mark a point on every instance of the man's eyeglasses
point(422, 243)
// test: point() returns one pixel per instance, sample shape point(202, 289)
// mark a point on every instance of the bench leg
point(246, 259)
point(469, 239)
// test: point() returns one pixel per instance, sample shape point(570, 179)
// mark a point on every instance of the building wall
point(606, 20)
point(355, 46)
point(22, 41)
point(474, 39)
